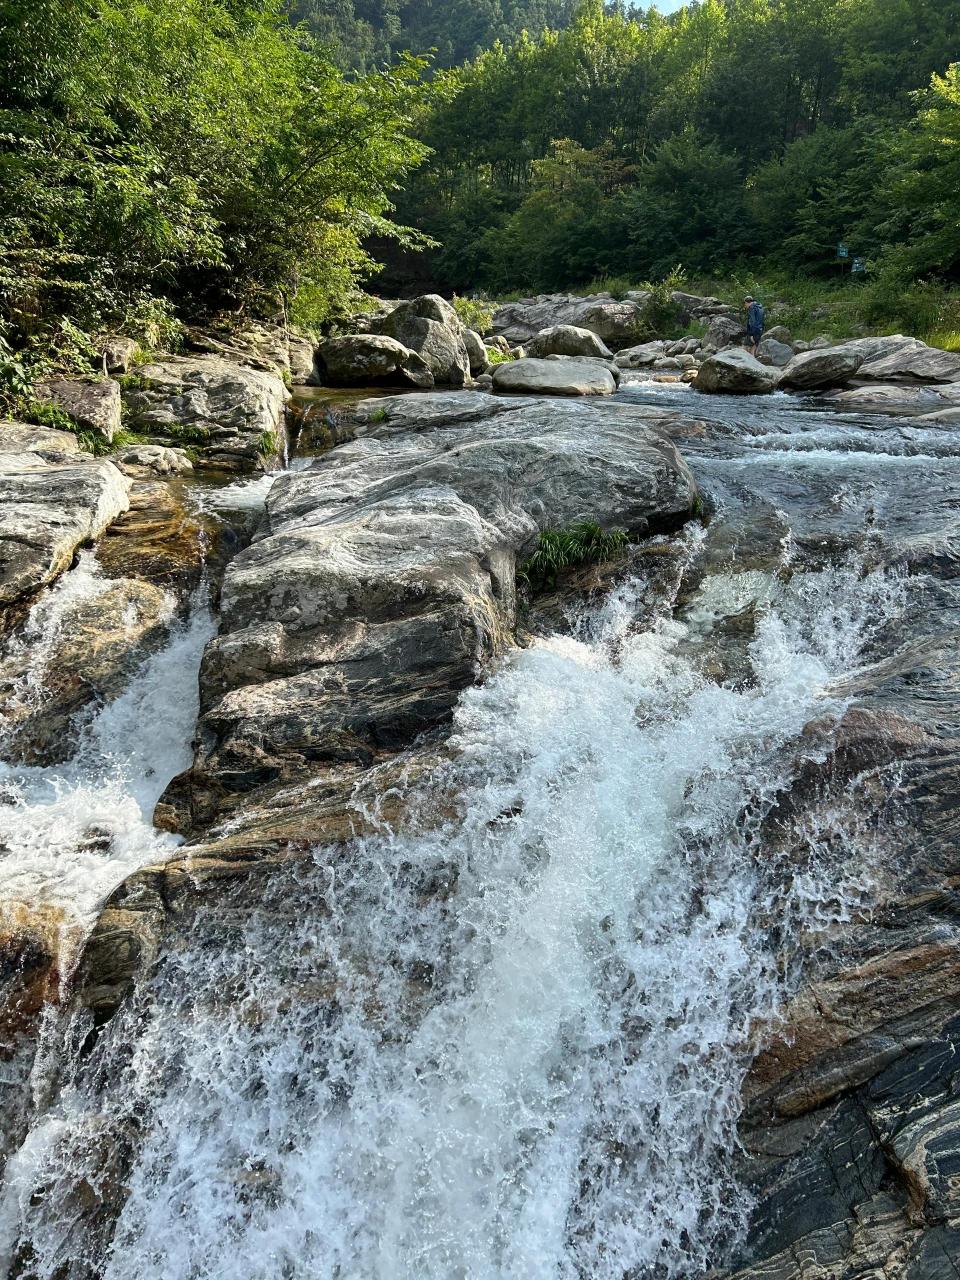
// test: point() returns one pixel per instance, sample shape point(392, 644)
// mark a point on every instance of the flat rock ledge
point(383, 579)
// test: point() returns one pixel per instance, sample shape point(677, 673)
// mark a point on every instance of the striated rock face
point(851, 1127)
point(384, 577)
point(900, 399)
point(364, 360)
point(736, 372)
point(53, 504)
point(231, 415)
point(555, 377)
point(912, 363)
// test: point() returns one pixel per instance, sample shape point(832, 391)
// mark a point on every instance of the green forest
point(161, 159)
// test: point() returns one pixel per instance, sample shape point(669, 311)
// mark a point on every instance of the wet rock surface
point(53, 503)
point(383, 579)
point(382, 582)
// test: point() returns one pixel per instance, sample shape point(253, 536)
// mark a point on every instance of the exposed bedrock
point(851, 1128)
point(383, 578)
point(56, 499)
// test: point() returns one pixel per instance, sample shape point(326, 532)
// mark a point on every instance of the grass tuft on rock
point(581, 544)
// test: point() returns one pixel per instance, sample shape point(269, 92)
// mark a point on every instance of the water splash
point(507, 1045)
point(71, 833)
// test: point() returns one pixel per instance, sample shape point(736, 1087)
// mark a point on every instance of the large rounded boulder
point(567, 340)
point(736, 372)
point(430, 327)
point(555, 377)
point(367, 359)
point(832, 367)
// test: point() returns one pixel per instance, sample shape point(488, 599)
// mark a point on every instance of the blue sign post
point(843, 251)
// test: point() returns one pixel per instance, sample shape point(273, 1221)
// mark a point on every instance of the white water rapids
point(71, 833)
point(510, 1045)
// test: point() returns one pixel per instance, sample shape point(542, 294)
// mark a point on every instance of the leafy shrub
point(559, 549)
point(475, 313)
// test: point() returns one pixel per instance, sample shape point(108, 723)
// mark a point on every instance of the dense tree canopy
point(205, 154)
point(194, 149)
point(735, 129)
point(368, 31)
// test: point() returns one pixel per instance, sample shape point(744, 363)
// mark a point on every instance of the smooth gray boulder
point(830, 367)
point(618, 323)
point(50, 506)
point(559, 377)
point(780, 333)
point(775, 353)
point(736, 372)
point(476, 352)
point(724, 331)
point(366, 360)
point(383, 577)
point(93, 404)
point(430, 327)
point(232, 416)
point(596, 362)
point(567, 340)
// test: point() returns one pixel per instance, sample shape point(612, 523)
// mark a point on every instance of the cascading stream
point(72, 832)
point(509, 1046)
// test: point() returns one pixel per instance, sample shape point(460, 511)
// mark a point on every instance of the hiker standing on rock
point(755, 319)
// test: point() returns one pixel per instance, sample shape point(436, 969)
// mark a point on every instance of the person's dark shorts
point(754, 336)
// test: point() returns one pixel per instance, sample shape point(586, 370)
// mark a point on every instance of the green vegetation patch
point(475, 313)
point(581, 544)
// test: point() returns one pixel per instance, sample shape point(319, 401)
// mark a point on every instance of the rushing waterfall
point(506, 1044)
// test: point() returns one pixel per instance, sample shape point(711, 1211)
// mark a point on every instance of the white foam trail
point(72, 832)
point(507, 1048)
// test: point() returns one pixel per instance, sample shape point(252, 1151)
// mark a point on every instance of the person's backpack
point(757, 316)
